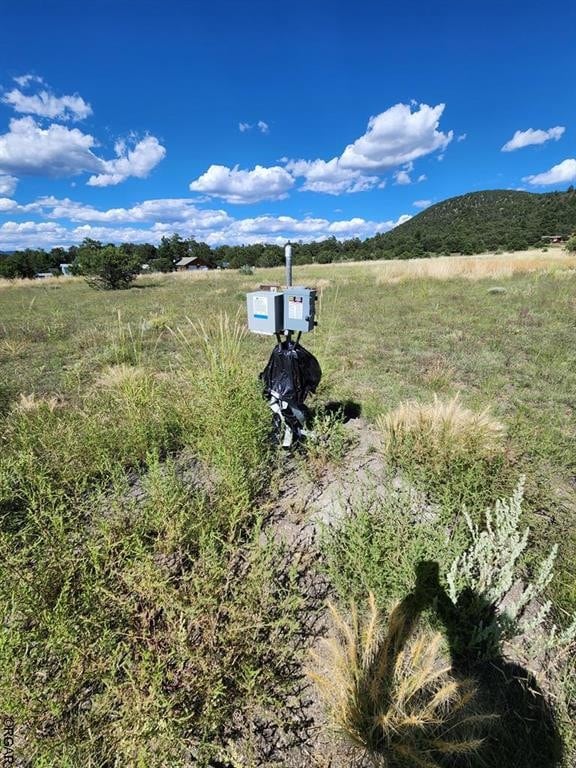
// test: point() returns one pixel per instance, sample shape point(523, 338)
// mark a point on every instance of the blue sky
point(238, 122)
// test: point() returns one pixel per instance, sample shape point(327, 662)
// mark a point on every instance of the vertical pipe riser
point(288, 256)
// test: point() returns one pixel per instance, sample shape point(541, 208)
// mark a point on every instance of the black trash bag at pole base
point(291, 375)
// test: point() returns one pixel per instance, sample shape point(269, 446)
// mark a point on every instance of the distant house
point(189, 263)
point(553, 239)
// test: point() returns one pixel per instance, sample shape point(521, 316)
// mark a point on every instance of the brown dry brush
point(391, 693)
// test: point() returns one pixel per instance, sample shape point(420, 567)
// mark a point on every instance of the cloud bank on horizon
point(42, 140)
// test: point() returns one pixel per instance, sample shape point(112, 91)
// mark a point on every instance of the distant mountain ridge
point(481, 221)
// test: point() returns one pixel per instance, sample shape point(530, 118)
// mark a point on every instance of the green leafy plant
point(376, 546)
point(327, 441)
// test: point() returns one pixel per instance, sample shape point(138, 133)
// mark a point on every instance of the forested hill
point(481, 221)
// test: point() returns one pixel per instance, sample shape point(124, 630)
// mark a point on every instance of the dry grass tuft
point(440, 432)
point(392, 695)
point(27, 403)
point(121, 376)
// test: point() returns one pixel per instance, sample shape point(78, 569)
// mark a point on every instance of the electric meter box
point(265, 312)
point(299, 309)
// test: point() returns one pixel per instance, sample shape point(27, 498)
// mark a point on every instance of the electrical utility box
point(265, 312)
point(299, 308)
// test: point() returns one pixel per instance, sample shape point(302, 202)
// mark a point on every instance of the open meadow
point(164, 570)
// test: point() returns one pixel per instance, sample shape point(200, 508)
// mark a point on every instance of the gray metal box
point(265, 312)
point(299, 308)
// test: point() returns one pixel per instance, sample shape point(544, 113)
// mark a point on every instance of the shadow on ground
point(344, 410)
point(524, 734)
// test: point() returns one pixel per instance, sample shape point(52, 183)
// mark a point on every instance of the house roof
point(186, 261)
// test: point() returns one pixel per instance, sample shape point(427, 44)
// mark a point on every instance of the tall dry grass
point(438, 433)
point(471, 267)
point(47, 282)
point(391, 693)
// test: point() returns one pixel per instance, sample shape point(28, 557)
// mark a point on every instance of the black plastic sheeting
point(292, 373)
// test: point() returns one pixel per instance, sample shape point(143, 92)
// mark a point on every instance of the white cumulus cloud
point(7, 184)
point(66, 222)
point(170, 212)
point(393, 139)
point(329, 177)
point(562, 173)
point(422, 203)
point(136, 161)
point(527, 138)
point(28, 149)
point(46, 104)
point(244, 186)
point(402, 177)
point(397, 136)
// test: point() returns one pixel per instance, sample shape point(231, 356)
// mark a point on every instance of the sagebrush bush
point(490, 567)
point(389, 691)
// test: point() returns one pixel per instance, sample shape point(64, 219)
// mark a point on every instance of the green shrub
point(231, 421)
point(71, 448)
point(136, 634)
point(109, 268)
point(376, 547)
point(327, 442)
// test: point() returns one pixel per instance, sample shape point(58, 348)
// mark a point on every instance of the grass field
point(145, 600)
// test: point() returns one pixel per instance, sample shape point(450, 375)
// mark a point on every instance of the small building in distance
point(554, 239)
point(190, 263)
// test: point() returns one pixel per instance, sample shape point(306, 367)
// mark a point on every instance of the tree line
point(91, 256)
point(472, 223)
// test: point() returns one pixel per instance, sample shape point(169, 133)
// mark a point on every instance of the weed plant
point(133, 639)
point(327, 442)
point(141, 618)
point(230, 419)
point(73, 447)
point(376, 547)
